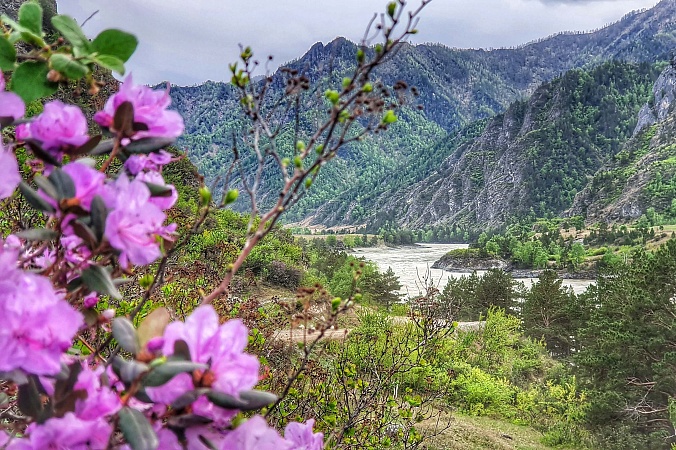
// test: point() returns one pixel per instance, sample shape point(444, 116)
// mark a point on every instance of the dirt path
point(300, 334)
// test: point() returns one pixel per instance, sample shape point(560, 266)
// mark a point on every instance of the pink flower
point(152, 162)
point(36, 324)
point(302, 437)
point(135, 223)
point(150, 108)
point(67, 432)
point(255, 434)
point(220, 346)
point(11, 104)
point(100, 402)
point(9, 169)
point(88, 182)
point(91, 300)
point(156, 178)
point(58, 128)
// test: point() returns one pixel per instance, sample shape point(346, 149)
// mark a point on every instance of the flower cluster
point(184, 386)
point(58, 129)
point(29, 342)
point(150, 109)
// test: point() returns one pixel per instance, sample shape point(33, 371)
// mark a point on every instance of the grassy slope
point(471, 433)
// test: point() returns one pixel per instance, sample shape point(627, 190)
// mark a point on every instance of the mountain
point(641, 178)
point(535, 157)
point(457, 87)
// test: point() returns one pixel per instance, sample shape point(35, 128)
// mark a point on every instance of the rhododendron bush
point(186, 382)
point(102, 203)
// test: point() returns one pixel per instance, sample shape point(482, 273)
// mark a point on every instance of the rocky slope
point(457, 87)
point(532, 159)
point(642, 177)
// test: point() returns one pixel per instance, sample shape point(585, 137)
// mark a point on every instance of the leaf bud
point(231, 196)
point(205, 196)
point(332, 96)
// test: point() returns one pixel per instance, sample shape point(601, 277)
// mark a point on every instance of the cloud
point(190, 42)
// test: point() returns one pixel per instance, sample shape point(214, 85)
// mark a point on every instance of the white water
point(412, 263)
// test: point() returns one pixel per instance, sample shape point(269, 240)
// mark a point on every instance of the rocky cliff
point(641, 178)
point(532, 159)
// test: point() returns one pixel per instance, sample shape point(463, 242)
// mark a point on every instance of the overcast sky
point(191, 41)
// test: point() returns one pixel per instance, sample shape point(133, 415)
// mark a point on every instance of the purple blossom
point(302, 437)
point(100, 402)
point(11, 104)
point(58, 128)
point(255, 434)
point(134, 224)
point(152, 162)
point(67, 432)
point(91, 300)
point(76, 251)
point(150, 108)
point(221, 346)
point(9, 170)
point(156, 178)
point(88, 182)
point(36, 324)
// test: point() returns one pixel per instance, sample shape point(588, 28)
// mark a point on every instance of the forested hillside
point(640, 180)
point(536, 156)
point(456, 87)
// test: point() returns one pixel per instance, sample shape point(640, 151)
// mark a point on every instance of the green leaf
point(153, 325)
point(149, 145)
point(98, 279)
point(30, 17)
point(103, 147)
point(37, 234)
point(115, 43)
point(85, 233)
point(46, 186)
point(389, 117)
point(30, 402)
point(87, 147)
point(257, 399)
point(125, 334)
point(391, 9)
point(110, 62)
point(34, 199)
point(157, 190)
point(7, 54)
point(99, 214)
point(69, 28)
point(188, 398)
point(187, 421)
point(63, 183)
point(224, 400)
point(30, 82)
point(23, 33)
point(137, 430)
point(65, 64)
point(332, 96)
point(129, 371)
point(231, 196)
point(247, 400)
point(165, 372)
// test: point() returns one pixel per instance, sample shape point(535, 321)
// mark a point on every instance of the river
point(412, 263)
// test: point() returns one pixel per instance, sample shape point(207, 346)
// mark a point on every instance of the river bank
point(416, 266)
point(468, 263)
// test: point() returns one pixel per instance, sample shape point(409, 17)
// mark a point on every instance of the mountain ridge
point(456, 88)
